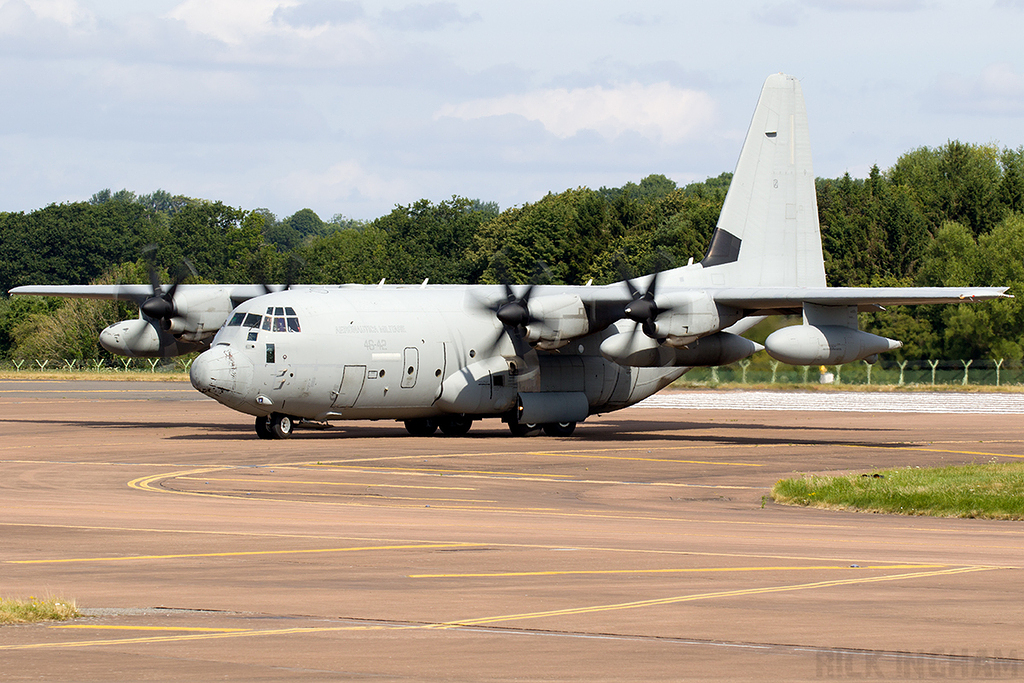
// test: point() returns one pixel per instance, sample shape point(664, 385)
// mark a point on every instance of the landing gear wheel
point(520, 428)
point(263, 427)
point(281, 425)
point(560, 428)
point(420, 426)
point(457, 425)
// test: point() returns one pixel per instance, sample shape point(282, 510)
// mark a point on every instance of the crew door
point(352, 380)
point(411, 368)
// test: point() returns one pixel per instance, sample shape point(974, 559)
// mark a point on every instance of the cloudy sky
point(354, 106)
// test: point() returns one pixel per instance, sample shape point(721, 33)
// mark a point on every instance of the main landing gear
point(551, 429)
point(454, 425)
point(274, 426)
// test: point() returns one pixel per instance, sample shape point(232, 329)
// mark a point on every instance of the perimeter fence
point(760, 371)
point(983, 372)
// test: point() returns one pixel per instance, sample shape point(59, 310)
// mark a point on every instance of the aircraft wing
point(136, 293)
point(767, 299)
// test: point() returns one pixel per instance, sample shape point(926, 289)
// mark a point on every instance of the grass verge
point(989, 491)
point(32, 610)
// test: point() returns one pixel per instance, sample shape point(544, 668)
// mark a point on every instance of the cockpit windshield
point(277, 319)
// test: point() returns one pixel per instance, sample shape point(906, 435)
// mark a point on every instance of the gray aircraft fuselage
point(400, 353)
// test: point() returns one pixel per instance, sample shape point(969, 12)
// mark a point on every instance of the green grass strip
point(989, 491)
point(14, 611)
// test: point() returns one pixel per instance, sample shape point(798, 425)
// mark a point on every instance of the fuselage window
point(293, 324)
point(253, 320)
point(236, 319)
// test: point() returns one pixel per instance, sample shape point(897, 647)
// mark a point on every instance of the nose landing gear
point(274, 426)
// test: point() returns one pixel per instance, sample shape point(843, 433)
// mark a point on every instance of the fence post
point(744, 364)
point(999, 365)
point(714, 374)
point(966, 365)
point(839, 378)
point(18, 364)
point(807, 369)
point(903, 365)
point(42, 366)
point(775, 370)
point(869, 371)
point(934, 364)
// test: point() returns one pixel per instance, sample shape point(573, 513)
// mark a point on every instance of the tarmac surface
point(641, 548)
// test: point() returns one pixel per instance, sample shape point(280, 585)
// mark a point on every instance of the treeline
point(950, 215)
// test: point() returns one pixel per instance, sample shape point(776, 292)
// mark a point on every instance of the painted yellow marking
point(382, 497)
point(497, 619)
point(189, 637)
point(934, 450)
point(693, 570)
point(559, 454)
point(101, 627)
point(657, 602)
point(244, 553)
point(261, 480)
point(518, 476)
point(402, 470)
point(549, 452)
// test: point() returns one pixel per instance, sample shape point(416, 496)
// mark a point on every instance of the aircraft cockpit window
point(279, 324)
point(236, 319)
point(252, 320)
point(293, 324)
point(289, 311)
point(278, 311)
point(267, 322)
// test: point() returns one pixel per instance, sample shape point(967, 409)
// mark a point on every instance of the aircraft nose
point(223, 373)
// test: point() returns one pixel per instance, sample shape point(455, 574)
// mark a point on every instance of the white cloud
point(660, 111)
point(229, 21)
point(65, 12)
point(426, 17)
point(868, 5)
point(342, 182)
point(998, 90)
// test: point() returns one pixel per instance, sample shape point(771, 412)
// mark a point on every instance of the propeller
point(643, 308)
point(160, 306)
point(513, 312)
point(293, 268)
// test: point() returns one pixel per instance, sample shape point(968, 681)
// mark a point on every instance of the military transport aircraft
point(537, 357)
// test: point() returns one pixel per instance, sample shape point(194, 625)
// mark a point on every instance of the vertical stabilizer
point(767, 234)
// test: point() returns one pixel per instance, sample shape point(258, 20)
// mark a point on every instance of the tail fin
point(767, 233)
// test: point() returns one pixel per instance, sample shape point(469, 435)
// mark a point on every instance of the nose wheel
point(274, 426)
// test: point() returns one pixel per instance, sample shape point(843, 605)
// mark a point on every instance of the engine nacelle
point(560, 319)
point(143, 338)
point(690, 314)
point(826, 345)
point(199, 313)
point(638, 350)
point(635, 349)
